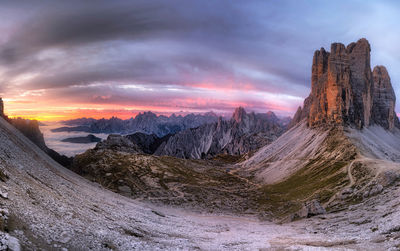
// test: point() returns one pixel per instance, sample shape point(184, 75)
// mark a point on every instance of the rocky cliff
point(243, 133)
point(344, 90)
point(1, 108)
point(384, 99)
point(30, 128)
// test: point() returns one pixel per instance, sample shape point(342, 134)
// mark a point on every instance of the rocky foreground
point(46, 206)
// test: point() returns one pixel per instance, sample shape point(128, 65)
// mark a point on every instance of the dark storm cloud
point(76, 23)
point(224, 28)
point(66, 26)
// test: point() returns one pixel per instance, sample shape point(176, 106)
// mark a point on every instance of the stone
point(387, 178)
point(3, 195)
point(312, 208)
point(4, 215)
point(13, 244)
point(309, 209)
point(125, 190)
point(376, 190)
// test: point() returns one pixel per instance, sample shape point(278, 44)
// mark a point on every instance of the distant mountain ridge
point(243, 133)
point(147, 122)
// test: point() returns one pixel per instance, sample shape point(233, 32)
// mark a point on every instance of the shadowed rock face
point(384, 99)
point(344, 90)
point(243, 133)
point(1, 107)
point(30, 128)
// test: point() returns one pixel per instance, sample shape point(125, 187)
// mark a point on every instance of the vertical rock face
point(1, 108)
point(243, 133)
point(331, 92)
point(361, 82)
point(384, 99)
point(344, 90)
point(239, 114)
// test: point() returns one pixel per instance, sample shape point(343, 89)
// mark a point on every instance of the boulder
point(309, 209)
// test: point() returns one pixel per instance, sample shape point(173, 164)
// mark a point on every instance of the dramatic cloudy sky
point(100, 58)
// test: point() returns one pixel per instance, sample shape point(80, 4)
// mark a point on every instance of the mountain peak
point(344, 90)
point(272, 116)
point(211, 114)
point(239, 114)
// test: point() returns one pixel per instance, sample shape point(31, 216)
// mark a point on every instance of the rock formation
point(384, 99)
point(118, 143)
point(82, 140)
point(133, 143)
point(344, 90)
point(31, 130)
point(1, 108)
point(243, 133)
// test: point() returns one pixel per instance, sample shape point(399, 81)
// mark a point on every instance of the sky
point(69, 59)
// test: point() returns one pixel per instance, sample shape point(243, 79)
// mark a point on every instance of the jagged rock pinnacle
point(384, 99)
point(239, 114)
point(344, 90)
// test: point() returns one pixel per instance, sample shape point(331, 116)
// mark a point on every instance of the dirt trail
point(352, 182)
point(351, 178)
point(244, 179)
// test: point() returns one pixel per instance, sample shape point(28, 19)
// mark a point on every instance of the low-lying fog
point(53, 139)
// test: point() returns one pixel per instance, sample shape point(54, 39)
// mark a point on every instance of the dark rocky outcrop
point(133, 143)
point(30, 128)
point(148, 143)
point(83, 140)
point(344, 90)
point(1, 108)
point(243, 133)
point(118, 143)
point(309, 209)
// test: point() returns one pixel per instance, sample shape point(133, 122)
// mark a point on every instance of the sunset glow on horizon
point(66, 60)
point(41, 108)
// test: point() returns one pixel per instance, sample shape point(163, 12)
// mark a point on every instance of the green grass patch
point(317, 180)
